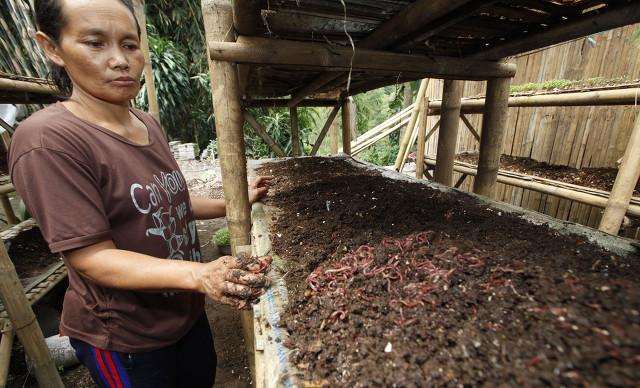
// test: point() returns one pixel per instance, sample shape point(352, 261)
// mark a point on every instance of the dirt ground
point(28, 250)
point(597, 178)
point(395, 284)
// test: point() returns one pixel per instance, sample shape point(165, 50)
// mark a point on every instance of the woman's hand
point(259, 188)
point(225, 282)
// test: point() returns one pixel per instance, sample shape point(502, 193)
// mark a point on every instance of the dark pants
point(189, 363)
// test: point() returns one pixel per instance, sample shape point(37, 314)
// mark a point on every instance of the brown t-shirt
point(85, 184)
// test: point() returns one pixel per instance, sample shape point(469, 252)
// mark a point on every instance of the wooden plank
point(325, 129)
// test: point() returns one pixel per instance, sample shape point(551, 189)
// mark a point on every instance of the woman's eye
point(131, 46)
point(93, 43)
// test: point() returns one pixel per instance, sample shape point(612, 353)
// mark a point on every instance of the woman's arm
point(206, 208)
point(222, 280)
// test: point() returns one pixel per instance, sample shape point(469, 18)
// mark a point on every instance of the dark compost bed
point(30, 254)
point(394, 283)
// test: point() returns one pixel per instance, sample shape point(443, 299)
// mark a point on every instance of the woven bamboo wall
point(571, 136)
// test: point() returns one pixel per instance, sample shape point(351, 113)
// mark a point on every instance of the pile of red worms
point(407, 272)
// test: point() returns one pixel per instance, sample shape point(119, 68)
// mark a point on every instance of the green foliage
point(221, 237)
point(565, 84)
point(277, 123)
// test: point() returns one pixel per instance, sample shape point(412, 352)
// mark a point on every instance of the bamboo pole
point(494, 123)
point(218, 23)
point(359, 147)
point(283, 102)
point(622, 96)
point(531, 183)
point(8, 210)
point(13, 85)
point(323, 133)
point(449, 122)
point(6, 346)
point(347, 123)
point(229, 119)
point(404, 144)
point(625, 183)
point(267, 51)
point(398, 117)
point(295, 136)
point(422, 137)
point(263, 134)
point(149, 81)
point(334, 138)
point(25, 324)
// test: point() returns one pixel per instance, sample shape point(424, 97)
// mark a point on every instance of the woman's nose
point(118, 60)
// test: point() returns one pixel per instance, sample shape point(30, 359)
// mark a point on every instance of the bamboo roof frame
point(485, 30)
point(16, 89)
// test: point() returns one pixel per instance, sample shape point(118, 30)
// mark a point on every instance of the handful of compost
point(254, 265)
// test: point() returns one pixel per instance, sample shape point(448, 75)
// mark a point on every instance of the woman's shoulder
point(52, 128)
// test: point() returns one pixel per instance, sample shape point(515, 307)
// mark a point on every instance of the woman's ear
point(50, 48)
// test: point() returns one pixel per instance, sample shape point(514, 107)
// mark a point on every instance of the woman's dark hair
point(51, 21)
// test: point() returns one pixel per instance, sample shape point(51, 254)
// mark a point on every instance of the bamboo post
point(347, 123)
point(327, 125)
point(218, 23)
point(6, 346)
point(263, 134)
point(494, 123)
point(8, 210)
point(422, 137)
point(25, 324)
point(625, 183)
point(448, 138)
point(149, 82)
point(295, 136)
point(404, 144)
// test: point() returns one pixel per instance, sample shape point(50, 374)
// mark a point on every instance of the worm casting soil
point(393, 283)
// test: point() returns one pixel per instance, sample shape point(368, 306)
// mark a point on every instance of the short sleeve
point(63, 196)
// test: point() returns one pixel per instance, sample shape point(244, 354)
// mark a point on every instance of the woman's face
point(100, 48)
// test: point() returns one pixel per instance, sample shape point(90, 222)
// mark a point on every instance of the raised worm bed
point(385, 281)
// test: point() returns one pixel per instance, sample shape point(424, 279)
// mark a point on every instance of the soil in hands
point(597, 178)
point(392, 283)
point(30, 254)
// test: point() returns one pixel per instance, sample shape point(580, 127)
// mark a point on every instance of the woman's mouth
point(124, 81)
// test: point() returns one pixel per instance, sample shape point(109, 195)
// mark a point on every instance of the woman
point(101, 181)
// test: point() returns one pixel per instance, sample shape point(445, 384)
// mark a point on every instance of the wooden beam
point(404, 23)
point(295, 136)
point(494, 124)
point(25, 324)
point(448, 138)
point(470, 127)
point(293, 53)
point(428, 30)
point(264, 134)
point(422, 137)
point(404, 144)
point(460, 181)
point(8, 210)
point(347, 123)
point(281, 102)
point(609, 18)
point(149, 81)
point(625, 183)
point(325, 129)
point(427, 173)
